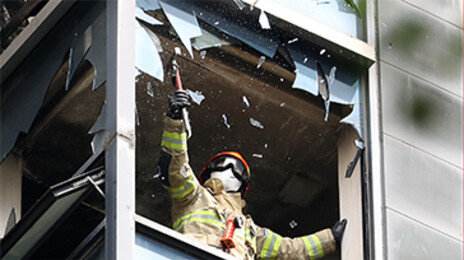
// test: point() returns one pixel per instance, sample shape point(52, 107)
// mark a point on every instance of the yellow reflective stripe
point(271, 245)
point(202, 216)
point(202, 220)
point(174, 141)
point(267, 242)
point(309, 248)
point(173, 135)
point(184, 190)
point(276, 246)
point(318, 244)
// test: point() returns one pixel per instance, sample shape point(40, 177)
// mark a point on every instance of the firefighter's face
point(229, 181)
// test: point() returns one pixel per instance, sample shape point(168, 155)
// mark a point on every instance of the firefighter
point(201, 208)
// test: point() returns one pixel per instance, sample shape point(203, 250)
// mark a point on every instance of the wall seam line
point(459, 240)
point(421, 78)
point(422, 150)
point(432, 14)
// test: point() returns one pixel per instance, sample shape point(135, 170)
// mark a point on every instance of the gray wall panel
point(449, 10)
point(422, 115)
point(423, 187)
point(421, 44)
point(408, 239)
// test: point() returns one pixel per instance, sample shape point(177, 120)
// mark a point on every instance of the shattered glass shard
point(150, 91)
point(256, 123)
point(322, 52)
point(327, 108)
point(264, 21)
point(323, 85)
point(137, 118)
point(282, 104)
point(224, 118)
point(240, 4)
point(333, 70)
point(148, 5)
point(293, 40)
point(203, 54)
point(257, 155)
point(184, 23)
point(141, 15)
point(197, 96)
point(262, 59)
point(147, 58)
point(245, 100)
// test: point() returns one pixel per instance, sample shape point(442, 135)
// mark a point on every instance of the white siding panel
point(421, 44)
point(423, 187)
point(422, 115)
point(410, 240)
point(449, 10)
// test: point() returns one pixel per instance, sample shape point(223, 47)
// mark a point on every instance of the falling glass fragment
point(256, 123)
point(137, 118)
point(261, 61)
point(322, 52)
point(327, 109)
point(282, 104)
point(203, 54)
point(264, 21)
point(245, 100)
point(323, 87)
point(293, 40)
point(293, 224)
point(257, 155)
point(150, 91)
point(224, 118)
point(197, 96)
point(333, 70)
point(305, 60)
point(240, 4)
point(266, 146)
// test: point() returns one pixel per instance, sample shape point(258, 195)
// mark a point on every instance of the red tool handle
point(178, 80)
point(227, 240)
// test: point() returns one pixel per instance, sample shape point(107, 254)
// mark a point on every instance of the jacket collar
point(215, 187)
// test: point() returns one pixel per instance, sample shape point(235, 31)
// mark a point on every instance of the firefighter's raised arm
point(173, 167)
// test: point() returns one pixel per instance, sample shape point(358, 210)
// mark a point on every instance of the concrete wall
point(420, 48)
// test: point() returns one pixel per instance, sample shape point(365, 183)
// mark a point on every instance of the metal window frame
point(31, 35)
point(320, 33)
point(375, 159)
point(40, 208)
point(120, 128)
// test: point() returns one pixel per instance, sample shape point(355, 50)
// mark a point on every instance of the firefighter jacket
point(201, 211)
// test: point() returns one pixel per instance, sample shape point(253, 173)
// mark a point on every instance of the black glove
point(338, 229)
point(179, 100)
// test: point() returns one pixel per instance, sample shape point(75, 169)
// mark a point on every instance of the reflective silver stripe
point(174, 141)
point(314, 247)
point(184, 190)
point(270, 249)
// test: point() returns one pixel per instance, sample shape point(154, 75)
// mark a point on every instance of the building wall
point(420, 48)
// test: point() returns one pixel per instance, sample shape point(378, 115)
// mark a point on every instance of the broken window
point(291, 105)
point(282, 101)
